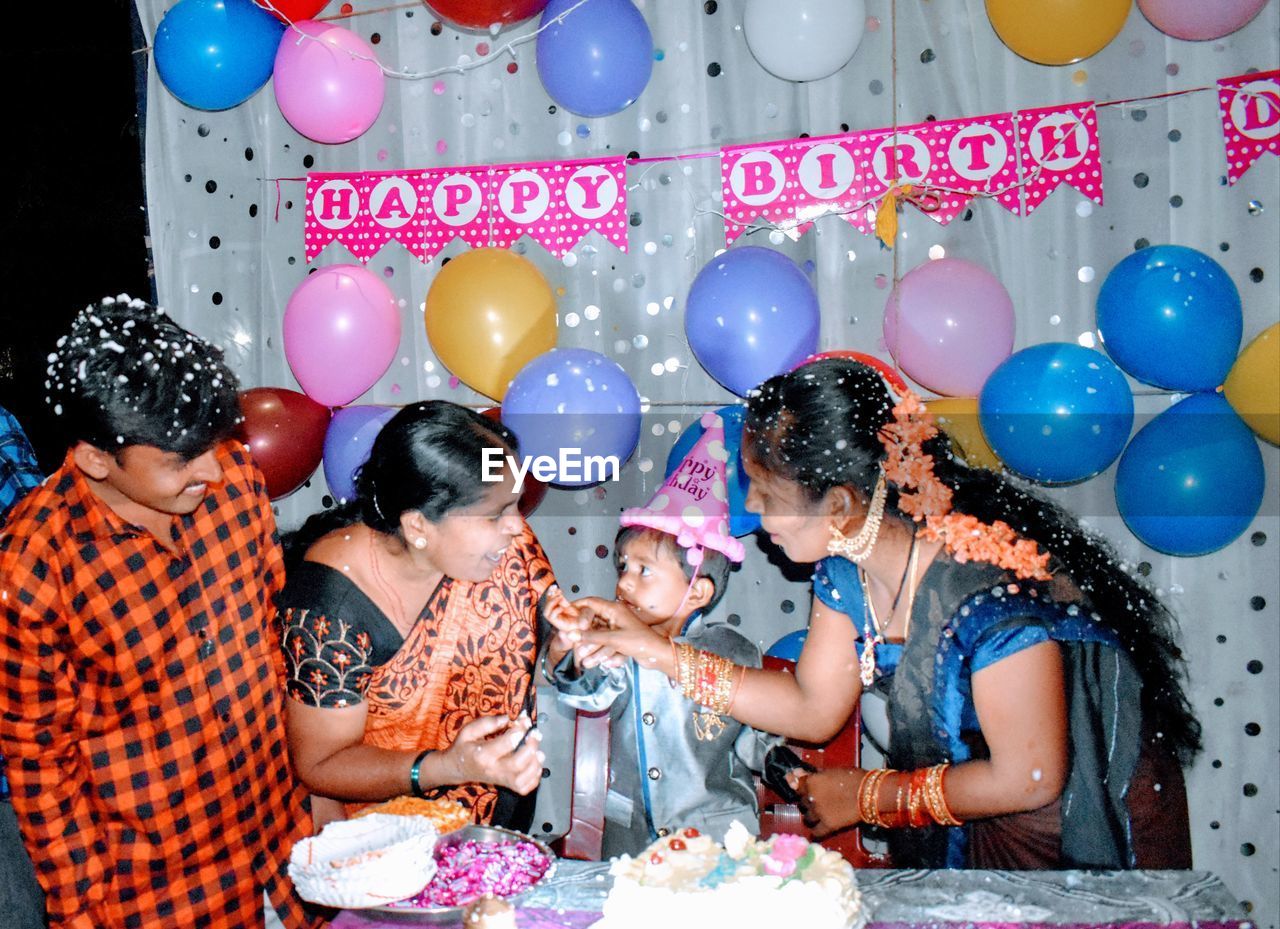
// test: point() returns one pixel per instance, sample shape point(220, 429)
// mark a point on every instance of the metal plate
point(452, 915)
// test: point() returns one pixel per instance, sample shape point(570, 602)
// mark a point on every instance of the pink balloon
point(949, 323)
point(341, 332)
point(1200, 19)
point(328, 84)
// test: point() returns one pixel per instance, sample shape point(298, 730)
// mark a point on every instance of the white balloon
point(804, 40)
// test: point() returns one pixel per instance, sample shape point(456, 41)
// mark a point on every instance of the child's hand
point(616, 633)
point(568, 622)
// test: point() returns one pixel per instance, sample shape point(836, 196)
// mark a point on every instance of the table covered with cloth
point(937, 899)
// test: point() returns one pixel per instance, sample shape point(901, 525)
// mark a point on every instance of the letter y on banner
point(592, 196)
point(1250, 106)
point(1059, 144)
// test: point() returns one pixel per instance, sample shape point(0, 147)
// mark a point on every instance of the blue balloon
point(347, 444)
point(1192, 479)
point(741, 522)
point(789, 647)
point(214, 54)
point(569, 408)
point(598, 60)
point(751, 314)
point(1056, 413)
point(1171, 317)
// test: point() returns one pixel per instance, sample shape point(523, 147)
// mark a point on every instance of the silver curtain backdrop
point(228, 250)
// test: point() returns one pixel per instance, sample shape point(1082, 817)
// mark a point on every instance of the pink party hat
point(693, 504)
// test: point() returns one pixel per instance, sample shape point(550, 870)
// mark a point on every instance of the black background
point(75, 229)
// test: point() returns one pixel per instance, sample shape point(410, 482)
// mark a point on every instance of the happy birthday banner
point(1016, 159)
point(555, 204)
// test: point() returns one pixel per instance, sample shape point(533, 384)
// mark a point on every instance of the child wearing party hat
point(674, 762)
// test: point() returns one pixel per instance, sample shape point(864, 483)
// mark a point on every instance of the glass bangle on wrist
point(415, 773)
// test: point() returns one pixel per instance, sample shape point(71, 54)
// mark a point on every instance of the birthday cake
point(687, 881)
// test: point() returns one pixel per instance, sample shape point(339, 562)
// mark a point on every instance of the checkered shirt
point(140, 706)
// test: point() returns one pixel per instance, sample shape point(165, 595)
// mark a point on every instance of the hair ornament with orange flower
point(927, 500)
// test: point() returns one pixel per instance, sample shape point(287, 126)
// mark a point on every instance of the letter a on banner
point(1059, 145)
point(1250, 107)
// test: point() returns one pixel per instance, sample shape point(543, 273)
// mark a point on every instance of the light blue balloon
point(1171, 317)
point(215, 54)
point(347, 444)
point(1192, 479)
point(789, 647)
point(574, 403)
point(1057, 412)
point(751, 314)
point(598, 60)
point(741, 522)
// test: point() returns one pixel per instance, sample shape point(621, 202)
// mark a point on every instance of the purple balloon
point(598, 60)
point(347, 444)
point(571, 404)
point(949, 323)
point(341, 332)
point(328, 84)
point(751, 314)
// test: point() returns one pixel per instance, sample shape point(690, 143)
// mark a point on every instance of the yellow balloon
point(1253, 386)
point(958, 418)
point(489, 313)
point(1058, 32)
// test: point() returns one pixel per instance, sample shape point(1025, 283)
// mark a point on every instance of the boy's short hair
point(126, 374)
point(715, 567)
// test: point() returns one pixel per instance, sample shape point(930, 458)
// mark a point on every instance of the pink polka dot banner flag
point(1059, 145)
point(333, 212)
point(1250, 108)
point(593, 199)
point(556, 204)
point(763, 181)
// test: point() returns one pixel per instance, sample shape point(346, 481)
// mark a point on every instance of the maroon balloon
point(285, 431)
point(481, 14)
point(534, 489)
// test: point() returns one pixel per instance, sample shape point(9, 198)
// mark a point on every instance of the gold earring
point(858, 548)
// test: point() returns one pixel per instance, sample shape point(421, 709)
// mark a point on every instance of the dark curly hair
point(126, 374)
point(819, 426)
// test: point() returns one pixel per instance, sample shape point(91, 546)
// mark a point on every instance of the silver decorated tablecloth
point(902, 899)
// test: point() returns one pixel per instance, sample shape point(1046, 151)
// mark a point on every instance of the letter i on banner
point(333, 212)
point(520, 204)
point(457, 207)
point(1250, 107)
point(590, 196)
point(827, 179)
point(1059, 145)
point(395, 209)
point(754, 182)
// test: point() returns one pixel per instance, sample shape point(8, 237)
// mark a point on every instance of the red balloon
point(292, 11)
point(893, 377)
point(481, 14)
point(534, 489)
point(285, 431)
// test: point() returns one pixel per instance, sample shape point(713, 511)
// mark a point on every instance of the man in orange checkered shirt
point(139, 670)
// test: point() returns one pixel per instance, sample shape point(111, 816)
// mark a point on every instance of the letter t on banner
point(1250, 106)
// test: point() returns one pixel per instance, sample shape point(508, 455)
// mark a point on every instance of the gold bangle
point(869, 797)
point(936, 799)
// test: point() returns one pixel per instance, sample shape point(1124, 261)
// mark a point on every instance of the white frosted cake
point(687, 881)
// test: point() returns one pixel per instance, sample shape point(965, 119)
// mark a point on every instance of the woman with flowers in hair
point(1036, 714)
